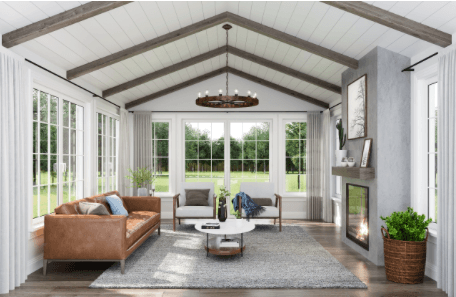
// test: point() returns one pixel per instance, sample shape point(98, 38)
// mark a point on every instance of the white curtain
point(326, 167)
point(446, 144)
point(15, 184)
point(314, 165)
point(124, 153)
point(143, 155)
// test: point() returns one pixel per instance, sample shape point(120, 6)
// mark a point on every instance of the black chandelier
point(227, 101)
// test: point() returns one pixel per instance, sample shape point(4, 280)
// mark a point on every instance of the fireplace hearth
point(358, 214)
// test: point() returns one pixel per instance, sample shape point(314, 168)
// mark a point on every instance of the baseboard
point(35, 264)
point(431, 271)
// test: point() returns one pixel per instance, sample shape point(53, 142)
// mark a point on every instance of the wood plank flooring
point(72, 279)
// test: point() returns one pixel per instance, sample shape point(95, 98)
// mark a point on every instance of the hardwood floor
point(73, 279)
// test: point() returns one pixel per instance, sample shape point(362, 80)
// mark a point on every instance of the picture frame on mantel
point(365, 154)
point(357, 108)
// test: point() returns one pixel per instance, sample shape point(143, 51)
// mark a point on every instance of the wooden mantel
point(354, 172)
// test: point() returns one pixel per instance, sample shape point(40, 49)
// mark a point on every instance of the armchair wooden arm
point(215, 206)
point(175, 205)
point(279, 204)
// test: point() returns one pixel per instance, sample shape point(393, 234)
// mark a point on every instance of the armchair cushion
point(199, 185)
point(197, 197)
point(259, 190)
point(195, 211)
point(270, 212)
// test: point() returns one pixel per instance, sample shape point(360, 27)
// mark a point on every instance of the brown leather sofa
point(70, 236)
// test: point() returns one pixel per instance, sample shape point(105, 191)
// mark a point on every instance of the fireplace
point(358, 214)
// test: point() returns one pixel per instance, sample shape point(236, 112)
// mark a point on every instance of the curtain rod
point(59, 76)
point(410, 67)
point(335, 105)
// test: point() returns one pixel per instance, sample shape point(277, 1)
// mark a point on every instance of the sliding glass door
point(58, 151)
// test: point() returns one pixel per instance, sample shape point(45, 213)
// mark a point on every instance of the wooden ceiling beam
point(221, 71)
point(285, 70)
point(162, 72)
point(58, 21)
point(292, 40)
point(147, 46)
point(278, 88)
point(175, 88)
point(394, 21)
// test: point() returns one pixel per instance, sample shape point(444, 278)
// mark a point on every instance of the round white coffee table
point(227, 229)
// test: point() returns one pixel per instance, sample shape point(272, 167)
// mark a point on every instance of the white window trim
point(170, 157)
point(419, 198)
point(41, 84)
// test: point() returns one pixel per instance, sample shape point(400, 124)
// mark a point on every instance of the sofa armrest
point(85, 237)
point(143, 203)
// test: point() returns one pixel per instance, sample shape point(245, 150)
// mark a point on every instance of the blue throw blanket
point(251, 208)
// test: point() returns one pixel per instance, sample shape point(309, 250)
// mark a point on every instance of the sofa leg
point(174, 224)
point(274, 221)
point(179, 221)
point(122, 266)
point(158, 230)
point(45, 263)
point(280, 224)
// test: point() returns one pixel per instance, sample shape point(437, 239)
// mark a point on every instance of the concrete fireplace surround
point(389, 125)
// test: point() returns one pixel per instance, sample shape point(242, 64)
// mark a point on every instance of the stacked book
point(210, 226)
point(229, 243)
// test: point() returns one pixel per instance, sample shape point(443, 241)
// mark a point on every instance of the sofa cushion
point(197, 197)
point(73, 206)
point(92, 208)
point(271, 211)
point(195, 211)
point(117, 205)
point(138, 223)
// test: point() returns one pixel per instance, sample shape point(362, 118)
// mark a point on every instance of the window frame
point(170, 171)
point(285, 158)
point(429, 153)
point(38, 222)
point(334, 146)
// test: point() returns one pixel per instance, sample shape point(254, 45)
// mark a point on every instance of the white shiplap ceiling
point(138, 22)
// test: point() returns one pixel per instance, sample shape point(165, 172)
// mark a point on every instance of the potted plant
point(222, 204)
point(340, 153)
point(140, 178)
point(405, 246)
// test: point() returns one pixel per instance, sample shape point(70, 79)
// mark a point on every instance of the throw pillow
point(92, 209)
point(197, 197)
point(116, 205)
point(263, 201)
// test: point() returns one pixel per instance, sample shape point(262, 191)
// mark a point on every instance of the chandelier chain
point(226, 62)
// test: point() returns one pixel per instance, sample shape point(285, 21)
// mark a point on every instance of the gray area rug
point(289, 259)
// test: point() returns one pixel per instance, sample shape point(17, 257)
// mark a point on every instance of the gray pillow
point(92, 208)
point(263, 201)
point(197, 197)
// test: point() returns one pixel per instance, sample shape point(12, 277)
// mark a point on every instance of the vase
point(339, 155)
point(142, 192)
point(222, 213)
point(239, 222)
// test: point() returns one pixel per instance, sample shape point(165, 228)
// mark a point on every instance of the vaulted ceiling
point(139, 50)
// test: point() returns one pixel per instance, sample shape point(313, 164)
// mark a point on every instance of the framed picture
point(357, 108)
point(365, 155)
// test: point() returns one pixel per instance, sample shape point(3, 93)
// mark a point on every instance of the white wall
point(184, 100)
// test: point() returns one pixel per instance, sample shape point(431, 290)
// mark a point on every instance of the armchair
point(264, 190)
point(181, 211)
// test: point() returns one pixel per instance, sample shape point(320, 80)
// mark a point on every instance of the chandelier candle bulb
point(248, 93)
point(236, 92)
point(220, 92)
point(254, 95)
point(207, 93)
point(199, 94)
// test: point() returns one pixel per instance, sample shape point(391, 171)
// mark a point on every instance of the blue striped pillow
point(116, 205)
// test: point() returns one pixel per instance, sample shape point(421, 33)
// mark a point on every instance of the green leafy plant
point(342, 136)
point(223, 193)
point(238, 214)
point(141, 177)
point(406, 225)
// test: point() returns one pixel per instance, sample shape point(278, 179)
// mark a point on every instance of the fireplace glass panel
point(358, 214)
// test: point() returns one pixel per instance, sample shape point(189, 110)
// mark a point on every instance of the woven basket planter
point(405, 261)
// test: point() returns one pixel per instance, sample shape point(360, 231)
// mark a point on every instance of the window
point(205, 153)
point(58, 152)
point(249, 154)
point(107, 143)
point(432, 151)
point(295, 156)
point(160, 140)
